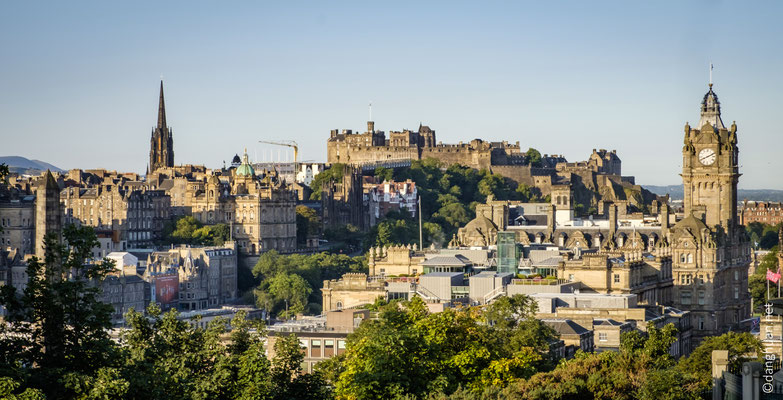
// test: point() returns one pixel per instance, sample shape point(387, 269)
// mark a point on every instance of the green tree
point(334, 173)
point(307, 223)
point(533, 157)
point(740, 346)
point(384, 174)
point(58, 325)
point(408, 351)
point(291, 289)
point(287, 380)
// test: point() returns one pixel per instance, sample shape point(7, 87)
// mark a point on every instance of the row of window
point(7, 222)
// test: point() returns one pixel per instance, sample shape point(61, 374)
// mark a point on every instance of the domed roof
point(245, 169)
point(236, 159)
point(695, 224)
point(481, 224)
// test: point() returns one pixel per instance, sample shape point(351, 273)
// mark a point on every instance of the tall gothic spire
point(161, 142)
point(161, 109)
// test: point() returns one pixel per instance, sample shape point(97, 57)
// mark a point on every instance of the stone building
point(161, 140)
point(342, 202)
point(17, 220)
point(353, 289)
point(395, 260)
point(137, 215)
point(259, 209)
point(123, 293)
point(207, 275)
point(321, 337)
point(765, 212)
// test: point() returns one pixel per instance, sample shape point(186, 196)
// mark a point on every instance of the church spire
point(161, 109)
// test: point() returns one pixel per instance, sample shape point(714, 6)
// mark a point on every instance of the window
point(315, 348)
point(328, 347)
point(701, 323)
point(340, 347)
point(736, 292)
point(701, 297)
point(602, 337)
point(690, 258)
point(736, 276)
point(616, 278)
point(571, 277)
point(685, 298)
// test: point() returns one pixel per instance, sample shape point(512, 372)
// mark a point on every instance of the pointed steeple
point(161, 109)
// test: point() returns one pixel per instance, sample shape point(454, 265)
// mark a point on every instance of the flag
point(773, 276)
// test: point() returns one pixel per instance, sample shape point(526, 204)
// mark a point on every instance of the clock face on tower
point(707, 156)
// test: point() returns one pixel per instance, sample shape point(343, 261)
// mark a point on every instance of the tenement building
point(17, 225)
point(135, 216)
point(207, 276)
point(765, 212)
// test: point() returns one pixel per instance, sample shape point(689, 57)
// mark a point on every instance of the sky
point(79, 80)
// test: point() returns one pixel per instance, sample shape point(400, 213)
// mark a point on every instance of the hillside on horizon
point(675, 193)
point(23, 165)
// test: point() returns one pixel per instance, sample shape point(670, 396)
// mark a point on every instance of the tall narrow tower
point(711, 253)
point(162, 141)
point(48, 217)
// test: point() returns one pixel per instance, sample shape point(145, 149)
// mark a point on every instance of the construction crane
point(288, 143)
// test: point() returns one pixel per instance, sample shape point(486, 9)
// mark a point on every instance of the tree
point(291, 289)
point(334, 173)
point(739, 345)
point(300, 275)
point(58, 325)
point(533, 157)
point(188, 230)
point(384, 174)
point(307, 223)
point(641, 369)
point(287, 380)
point(408, 351)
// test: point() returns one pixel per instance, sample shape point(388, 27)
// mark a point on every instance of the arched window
point(690, 258)
point(339, 305)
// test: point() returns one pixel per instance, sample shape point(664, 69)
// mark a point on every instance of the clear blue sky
point(79, 80)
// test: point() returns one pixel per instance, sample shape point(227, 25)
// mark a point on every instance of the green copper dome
point(245, 169)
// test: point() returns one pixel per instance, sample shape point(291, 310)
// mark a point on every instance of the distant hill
point(675, 192)
point(21, 165)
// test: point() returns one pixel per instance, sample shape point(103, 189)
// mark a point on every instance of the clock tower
point(710, 250)
point(709, 168)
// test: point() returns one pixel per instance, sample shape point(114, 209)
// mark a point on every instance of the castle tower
point(48, 216)
point(162, 140)
point(710, 255)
